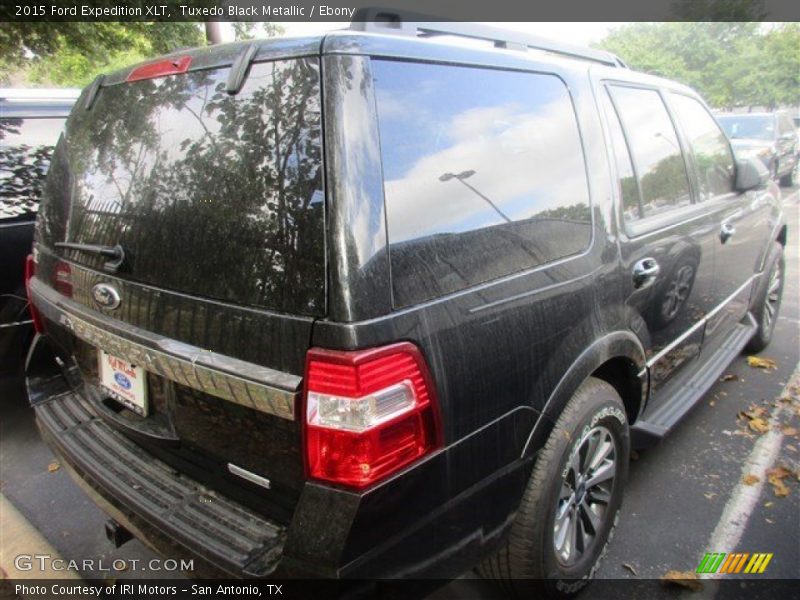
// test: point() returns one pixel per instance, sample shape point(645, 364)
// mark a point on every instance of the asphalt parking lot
point(684, 498)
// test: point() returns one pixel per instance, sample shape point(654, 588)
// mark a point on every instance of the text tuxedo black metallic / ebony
point(398, 307)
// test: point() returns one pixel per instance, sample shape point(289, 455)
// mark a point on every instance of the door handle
point(726, 232)
point(645, 272)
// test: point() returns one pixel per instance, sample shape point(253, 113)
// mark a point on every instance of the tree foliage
point(72, 54)
point(730, 64)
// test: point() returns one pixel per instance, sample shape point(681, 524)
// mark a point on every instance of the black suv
point(30, 123)
point(368, 305)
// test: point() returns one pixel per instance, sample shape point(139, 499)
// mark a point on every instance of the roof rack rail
point(397, 22)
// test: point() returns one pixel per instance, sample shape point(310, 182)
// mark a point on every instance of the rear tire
point(768, 299)
point(576, 485)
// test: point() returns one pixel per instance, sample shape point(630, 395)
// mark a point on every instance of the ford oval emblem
point(123, 381)
point(106, 296)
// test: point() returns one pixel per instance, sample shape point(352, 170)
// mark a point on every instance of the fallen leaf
point(53, 467)
point(770, 521)
point(730, 377)
point(710, 495)
point(779, 488)
point(761, 363)
point(768, 504)
point(685, 579)
point(712, 403)
point(759, 425)
point(631, 569)
point(750, 479)
point(779, 472)
point(787, 430)
point(791, 448)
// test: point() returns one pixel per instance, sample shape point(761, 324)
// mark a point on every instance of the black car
point(365, 305)
point(30, 123)
point(771, 137)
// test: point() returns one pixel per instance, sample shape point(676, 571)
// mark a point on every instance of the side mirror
point(750, 174)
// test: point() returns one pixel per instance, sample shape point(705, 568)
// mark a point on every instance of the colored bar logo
point(735, 562)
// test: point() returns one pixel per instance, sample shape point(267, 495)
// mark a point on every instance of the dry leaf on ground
point(758, 362)
point(730, 377)
point(759, 425)
point(776, 476)
point(630, 568)
point(787, 430)
point(779, 488)
point(750, 479)
point(53, 467)
point(685, 579)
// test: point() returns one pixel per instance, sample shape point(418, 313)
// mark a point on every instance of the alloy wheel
point(585, 494)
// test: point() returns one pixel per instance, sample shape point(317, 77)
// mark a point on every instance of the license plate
point(124, 382)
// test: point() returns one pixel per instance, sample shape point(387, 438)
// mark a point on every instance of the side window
point(709, 146)
point(628, 187)
point(484, 175)
point(26, 145)
point(656, 152)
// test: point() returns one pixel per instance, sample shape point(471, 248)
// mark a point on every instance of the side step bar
point(656, 424)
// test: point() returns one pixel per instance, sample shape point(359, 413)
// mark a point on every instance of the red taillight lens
point(63, 278)
point(30, 271)
point(368, 413)
point(160, 69)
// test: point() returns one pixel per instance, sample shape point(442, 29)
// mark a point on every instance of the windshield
point(761, 128)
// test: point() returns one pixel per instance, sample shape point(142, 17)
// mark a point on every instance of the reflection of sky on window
point(517, 131)
point(34, 132)
point(745, 126)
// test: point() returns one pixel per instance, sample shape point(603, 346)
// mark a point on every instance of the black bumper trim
point(207, 524)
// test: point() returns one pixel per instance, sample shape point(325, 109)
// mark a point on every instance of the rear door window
point(484, 175)
point(656, 152)
point(712, 154)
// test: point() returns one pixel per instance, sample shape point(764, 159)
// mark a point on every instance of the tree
point(73, 53)
point(730, 64)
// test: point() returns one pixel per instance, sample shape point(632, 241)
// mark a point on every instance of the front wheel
point(569, 508)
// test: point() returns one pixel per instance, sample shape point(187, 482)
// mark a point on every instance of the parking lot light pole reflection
point(466, 174)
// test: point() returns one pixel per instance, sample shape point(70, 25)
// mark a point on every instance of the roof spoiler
point(396, 22)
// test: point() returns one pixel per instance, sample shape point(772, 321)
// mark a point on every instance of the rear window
point(484, 175)
point(211, 194)
point(26, 145)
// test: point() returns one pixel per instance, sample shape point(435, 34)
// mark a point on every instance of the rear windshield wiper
point(115, 253)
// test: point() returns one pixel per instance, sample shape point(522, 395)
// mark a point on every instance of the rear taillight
point(368, 413)
point(30, 272)
point(63, 278)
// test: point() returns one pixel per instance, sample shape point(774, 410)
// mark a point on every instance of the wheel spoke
point(573, 534)
point(599, 495)
point(605, 472)
point(601, 452)
point(592, 517)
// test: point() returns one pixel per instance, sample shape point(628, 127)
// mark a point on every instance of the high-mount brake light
point(162, 68)
point(368, 413)
point(30, 272)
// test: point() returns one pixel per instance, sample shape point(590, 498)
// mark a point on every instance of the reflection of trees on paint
point(22, 170)
point(193, 181)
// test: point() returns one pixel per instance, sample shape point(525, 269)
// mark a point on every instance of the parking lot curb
point(19, 537)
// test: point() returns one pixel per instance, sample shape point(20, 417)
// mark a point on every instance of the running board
point(655, 424)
